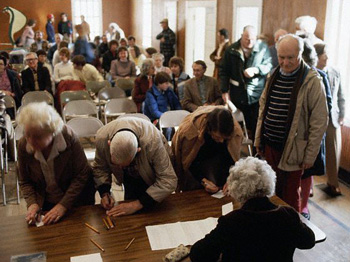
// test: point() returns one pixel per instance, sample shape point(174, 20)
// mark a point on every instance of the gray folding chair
point(126, 84)
point(67, 96)
point(37, 96)
point(137, 115)
point(119, 106)
point(96, 86)
point(172, 118)
point(79, 108)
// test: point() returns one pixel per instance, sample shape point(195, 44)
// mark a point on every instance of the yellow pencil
point(92, 228)
point(97, 245)
point(132, 240)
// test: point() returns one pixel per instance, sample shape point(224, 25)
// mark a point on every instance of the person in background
point(143, 83)
point(43, 62)
point(10, 84)
point(206, 144)
point(306, 25)
point(160, 98)
point(243, 72)
point(167, 41)
point(54, 174)
point(45, 46)
point(150, 51)
point(201, 89)
point(84, 72)
point(35, 77)
point(50, 29)
point(65, 27)
point(110, 55)
point(293, 117)
point(56, 56)
point(27, 37)
point(333, 133)
point(137, 154)
point(122, 67)
point(38, 39)
point(178, 75)
point(81, 45)
point(158, 63)
point(135, 52)
point(259, 230)
point(85, 27)
point(219, 52)
point(53, 48)
point(273, 50)
point(64, 70)
point(103, 47)
point(123, 42)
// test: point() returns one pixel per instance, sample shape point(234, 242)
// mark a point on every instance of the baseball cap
point(165, 20)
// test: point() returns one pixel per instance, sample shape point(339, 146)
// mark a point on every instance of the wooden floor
point(332, 215)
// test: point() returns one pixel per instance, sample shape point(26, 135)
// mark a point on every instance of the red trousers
point(288, 183)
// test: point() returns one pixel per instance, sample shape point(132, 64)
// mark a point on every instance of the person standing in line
point(167, 41)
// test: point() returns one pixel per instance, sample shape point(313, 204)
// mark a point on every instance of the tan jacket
point(153, 160)
point(192, 99)
point(72, 173)
point(308, 125)
point(189, 138)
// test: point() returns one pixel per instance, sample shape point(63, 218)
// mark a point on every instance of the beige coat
point(308, 125)
point(192, 99)
point(153, 160)
point(189, 138)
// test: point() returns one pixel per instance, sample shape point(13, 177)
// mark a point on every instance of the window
point(92, 10)
point(246, 12)
point(337, 38)
point(147, 23)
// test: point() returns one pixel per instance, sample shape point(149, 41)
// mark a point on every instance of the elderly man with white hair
point(293, 117)
point(259, 230)
point(306, 25)
point(137, 154)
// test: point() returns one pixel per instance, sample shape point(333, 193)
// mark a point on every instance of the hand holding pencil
point(107, 201)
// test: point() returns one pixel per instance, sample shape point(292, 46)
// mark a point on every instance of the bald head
point(279, 33)
point(289, 50)
point(123, 148)
point(248, 38)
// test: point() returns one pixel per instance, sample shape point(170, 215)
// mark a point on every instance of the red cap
point(50, 16)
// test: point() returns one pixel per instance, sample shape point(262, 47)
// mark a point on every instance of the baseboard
point(344, 176)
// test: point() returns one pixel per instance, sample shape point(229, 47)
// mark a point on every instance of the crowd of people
point(291, 99)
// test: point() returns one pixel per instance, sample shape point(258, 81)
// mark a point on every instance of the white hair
point(123, 147)
point(31, 53)
point(59, 35)
point(146, 66)
point(307, 23)
point(288, 37)
point(41, 115)
point(251, 177)
point(154, 56)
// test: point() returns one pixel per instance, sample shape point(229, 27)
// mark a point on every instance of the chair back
point(10, 103)
point(96, 86)
point(18, 67)
point(79, 108)
point(137, 115)
point(108, 93)
point(67, 96)
point(172, 118)
point(37, 96)
point(125, 84)
point(118, 106)
point(85, 127)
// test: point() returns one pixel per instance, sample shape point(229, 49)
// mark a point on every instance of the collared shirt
point(53, 193)
point(289, 74)
point(202, 89)
point(36, 83)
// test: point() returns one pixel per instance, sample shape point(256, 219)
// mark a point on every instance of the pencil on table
point(111, 225)
point(92, 228)
point(132, 240)
point(106, 224)
point(94, 242)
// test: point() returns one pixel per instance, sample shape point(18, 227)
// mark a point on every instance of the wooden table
point(70, 237)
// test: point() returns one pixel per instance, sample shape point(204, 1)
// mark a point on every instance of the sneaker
point(306, 215)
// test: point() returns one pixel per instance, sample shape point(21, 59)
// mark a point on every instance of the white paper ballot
point(172, 235)
point(219, 194)
point(96, 257)
point(227, 208)
point(40, 223)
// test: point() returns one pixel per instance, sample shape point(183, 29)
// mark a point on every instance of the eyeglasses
point(31, 59)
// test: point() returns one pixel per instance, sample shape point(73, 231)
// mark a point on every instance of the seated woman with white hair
point(54, 174)
point(259, 230)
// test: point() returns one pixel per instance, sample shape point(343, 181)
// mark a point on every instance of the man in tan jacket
point(201, 90)
point(137, 154)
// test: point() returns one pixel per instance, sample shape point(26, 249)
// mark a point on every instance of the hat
point(165, 20)
point(50, 16)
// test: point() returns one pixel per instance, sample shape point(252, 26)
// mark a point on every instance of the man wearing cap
point(137, 153)
point(167, 41)
point(50, 30)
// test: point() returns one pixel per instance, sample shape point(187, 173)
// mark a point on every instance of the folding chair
point(79, 108)
point(126, 84)
point(137, 115)
point(96, 86)
point(37, 96)
point(106, 94)
point(67, 96)
point(238, 115)
point(10, 103)
point(3, 161)
point(119, 106)
point(172, 118)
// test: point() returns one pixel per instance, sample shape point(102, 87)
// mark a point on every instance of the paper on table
point(172, 235)
point(96, 257)
point(227, 208)
point(40, 223)
point(219, 194)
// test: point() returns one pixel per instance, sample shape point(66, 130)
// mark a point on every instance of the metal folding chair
point(119, 106)
point(79, 108)
point(37, 96)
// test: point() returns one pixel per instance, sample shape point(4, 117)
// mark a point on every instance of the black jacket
point(259, 231)
point(43, 80)
point(15, 86)
point(107, 59)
